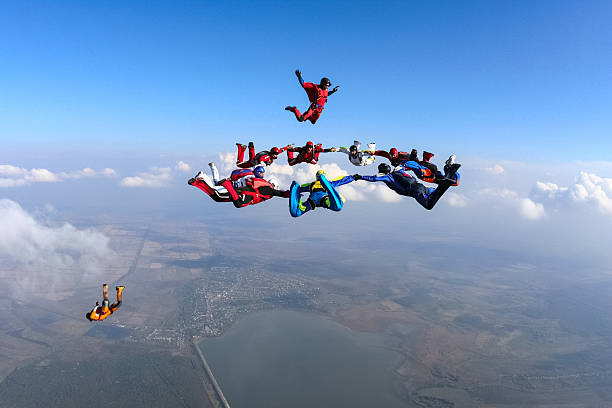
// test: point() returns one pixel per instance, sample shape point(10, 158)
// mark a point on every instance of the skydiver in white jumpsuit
point(360, 157)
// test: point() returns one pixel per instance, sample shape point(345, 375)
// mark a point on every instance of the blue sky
point(96, 93)
point(507, 80)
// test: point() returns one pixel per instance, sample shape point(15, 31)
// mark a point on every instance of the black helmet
point(384, 168)
point(325, 80)
point(353, 149)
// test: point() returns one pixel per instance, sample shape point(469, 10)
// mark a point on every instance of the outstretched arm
point(343, 150)
point(298, 74)
point(382, 153)
point(333, 91)
point(375, 178)
point(342, 181)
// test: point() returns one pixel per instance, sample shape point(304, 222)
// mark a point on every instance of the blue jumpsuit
point(404, 184)
point(322, 194)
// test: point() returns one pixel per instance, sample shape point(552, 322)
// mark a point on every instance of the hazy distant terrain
point(475, 327)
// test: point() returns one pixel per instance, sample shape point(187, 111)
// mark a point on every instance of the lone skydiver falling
point(404, 184)
point(359, 157)
point(317, 95)
point(306, 154)
point(265, 157)
point(102, 312)
point(322, 194)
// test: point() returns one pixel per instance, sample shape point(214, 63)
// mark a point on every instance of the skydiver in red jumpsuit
point(256, 190)
point(265, 157)
point(317, 95)
point(307, 154)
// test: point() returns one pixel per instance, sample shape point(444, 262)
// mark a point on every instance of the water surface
point(291, 359)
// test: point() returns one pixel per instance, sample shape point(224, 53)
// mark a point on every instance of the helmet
point(320, 173)
point(393, 152)
point(275, 150)
point(384, 168)
point(259, 171)
point(273, 181)
point(309, 143)
point(325, 80)
point(353, 149)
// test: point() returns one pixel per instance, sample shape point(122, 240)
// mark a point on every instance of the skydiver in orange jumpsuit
point(102, 312)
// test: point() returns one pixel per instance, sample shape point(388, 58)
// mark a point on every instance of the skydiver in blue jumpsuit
point(404, 184)
point(322, 194)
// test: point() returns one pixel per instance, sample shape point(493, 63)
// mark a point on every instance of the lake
point(292, 359)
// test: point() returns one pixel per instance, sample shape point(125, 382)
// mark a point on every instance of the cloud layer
point(156, 177)
point(13, 176)
point(44, 260)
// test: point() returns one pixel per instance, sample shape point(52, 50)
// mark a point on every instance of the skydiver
point(238, 176)
point(404, 184)
point(395, 157)
point(317, 95)
point(322, 194)
point(254, 192)
point(306, 154)
point(265, 157)
point(360, 157)
point(427, 171)
point(102, 312)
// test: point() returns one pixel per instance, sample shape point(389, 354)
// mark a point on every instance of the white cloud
point(45, 260)
point(156, 177)
point(184, 167)
point(495, 170)
point(588, 189)
point(455, 199)
point(13, 176)
point(530, 209)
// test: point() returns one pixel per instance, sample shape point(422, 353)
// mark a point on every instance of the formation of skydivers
point(247, 185)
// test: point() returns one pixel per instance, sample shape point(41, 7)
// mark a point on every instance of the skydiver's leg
point(119, 290)
point(427, 156)
point(291, 160)
point(105, 291)
point(434, 196)
point(227, 183)
point(296, 112)
point(334, 202)
point(245, 165)
point(296, 207)
point(211, 192)
point(251, 152)
point(215, 173)
point(314, 116)
point(307, 115)
point(116, 305)
point(241, 150)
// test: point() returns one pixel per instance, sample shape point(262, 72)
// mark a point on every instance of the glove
point(356, 176)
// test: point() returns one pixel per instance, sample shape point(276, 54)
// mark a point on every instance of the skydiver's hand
point(333, 149)
point(298, 73)
point(357, 176)
point(335, 88)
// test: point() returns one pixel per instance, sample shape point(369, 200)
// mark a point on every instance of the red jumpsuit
point(317, 98)
point(256, 191)
point(307, 154)
point(263, 157)
point(396, 158)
